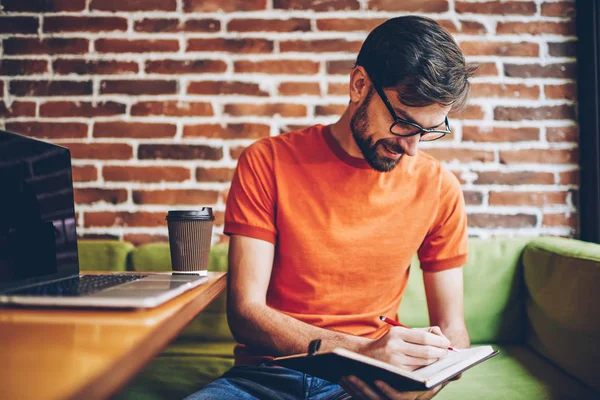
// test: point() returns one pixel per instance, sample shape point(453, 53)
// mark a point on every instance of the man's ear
point(359, 84)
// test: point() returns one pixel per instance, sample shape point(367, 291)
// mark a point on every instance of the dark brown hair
point(418, 58)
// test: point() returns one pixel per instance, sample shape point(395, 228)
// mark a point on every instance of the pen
point(396, 323)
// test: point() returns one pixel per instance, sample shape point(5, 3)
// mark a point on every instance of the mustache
point(391, 145)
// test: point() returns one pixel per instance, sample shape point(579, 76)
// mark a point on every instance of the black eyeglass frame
point(398, 120)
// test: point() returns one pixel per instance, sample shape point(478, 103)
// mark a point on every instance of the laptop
point(38, 239)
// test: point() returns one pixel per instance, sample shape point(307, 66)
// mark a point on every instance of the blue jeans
point(269, 382)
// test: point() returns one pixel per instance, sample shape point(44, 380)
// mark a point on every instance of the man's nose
point(410, 144)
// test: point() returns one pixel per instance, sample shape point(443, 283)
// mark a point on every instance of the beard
point(359, 125)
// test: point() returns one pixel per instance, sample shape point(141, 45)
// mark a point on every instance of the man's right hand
point(409, 348)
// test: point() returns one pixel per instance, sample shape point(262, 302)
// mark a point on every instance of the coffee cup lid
point(204, 213)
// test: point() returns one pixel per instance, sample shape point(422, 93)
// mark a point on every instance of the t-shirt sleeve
point(445, 245)
point(250, 207)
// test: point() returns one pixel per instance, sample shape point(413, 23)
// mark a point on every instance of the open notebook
point(340, 362)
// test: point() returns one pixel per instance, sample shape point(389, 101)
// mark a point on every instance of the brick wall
point(157, 98)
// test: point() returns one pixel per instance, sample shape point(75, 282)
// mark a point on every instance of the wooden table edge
point(123, 370)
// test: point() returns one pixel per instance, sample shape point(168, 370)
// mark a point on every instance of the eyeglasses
point(404, 128)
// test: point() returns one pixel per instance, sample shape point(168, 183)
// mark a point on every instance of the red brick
point(139, 239)
point(560, 219)
point(100, 151)
point(473, 197)
point(17, 109)
point(536, 28)
point(430, 6)
point(277, 67)
point(179, 152)
point(95, 67)
point(320, 46)
point(324, 5)
point(514, 178)
point(49, 46)
point(537, 156)
point(538, 199)
point(49, 130)
point(172, 197)
point(136, 45)
point(175, 25)
point(199, 6)
point(299, 88)
point(486, 69)
point(498, 134)
point(330, 109)
point(266, 110)
point(172, 67)
point(561, 9)
point(466, 26)
point(84, 24)
point(219, 218)
point(138, 218)
point(461, 155)
point(225, 88)
point(22, 25)
point(236, 151)
point(349, 24)
point(214, 174)
point(172, 108)
point(252, 46)
point(338, 89)
point(563, 49)
point(563, 134)
point(567, 71)
point(470, 112)
point(269, 25)
point(59, 109)
point(134, 5)
point(138, 130)
point(339, 67)
point(510, 91)
point(497, 7)
point(23, 67)
point(137, 87)
point(534, 113)
point(95, 195)
point(501, 221)
point(84, 173)
point(229, 131)
point(112, 173)
point(565, 91)
point(43, 5)
point(501, 49)
point(50, 88)
point(569, 177)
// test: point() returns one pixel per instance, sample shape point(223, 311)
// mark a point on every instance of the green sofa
point(536, 301)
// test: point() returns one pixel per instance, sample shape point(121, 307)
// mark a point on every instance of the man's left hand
point(360, 390)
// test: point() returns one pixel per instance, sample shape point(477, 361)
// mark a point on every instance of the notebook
point(38, 239)
point(341, 362)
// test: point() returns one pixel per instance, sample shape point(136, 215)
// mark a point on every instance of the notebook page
point(450, 359)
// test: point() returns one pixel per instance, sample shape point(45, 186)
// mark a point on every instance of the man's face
point(371, 123)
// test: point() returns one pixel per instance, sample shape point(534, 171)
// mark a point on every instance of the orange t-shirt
point(344, 233)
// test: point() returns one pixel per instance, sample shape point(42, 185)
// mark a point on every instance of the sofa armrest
point(103, 255)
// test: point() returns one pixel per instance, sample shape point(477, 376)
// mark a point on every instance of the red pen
point(396, 323)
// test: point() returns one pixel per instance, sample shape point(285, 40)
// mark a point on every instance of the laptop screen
point(37, 215)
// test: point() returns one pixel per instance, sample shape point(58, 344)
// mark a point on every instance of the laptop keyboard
point(78, 286)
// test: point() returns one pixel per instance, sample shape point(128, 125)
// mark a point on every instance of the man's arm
point(444, 290)
point(255, 324)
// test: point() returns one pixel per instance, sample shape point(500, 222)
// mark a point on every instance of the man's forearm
point(458, 336)
point(279, 334)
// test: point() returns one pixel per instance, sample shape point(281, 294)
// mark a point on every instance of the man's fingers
point(421, 351)
point(423, 337)
point(363, 389)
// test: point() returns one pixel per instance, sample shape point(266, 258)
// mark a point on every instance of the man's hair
point(418, 58)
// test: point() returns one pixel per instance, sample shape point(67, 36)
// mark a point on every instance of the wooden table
point(89, 354)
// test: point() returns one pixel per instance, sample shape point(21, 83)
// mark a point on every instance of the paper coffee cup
point(190, 235)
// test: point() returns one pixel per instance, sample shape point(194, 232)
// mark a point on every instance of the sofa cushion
point(492, 292)
point(516, 373)
point(562, 278)
point(103, 255)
